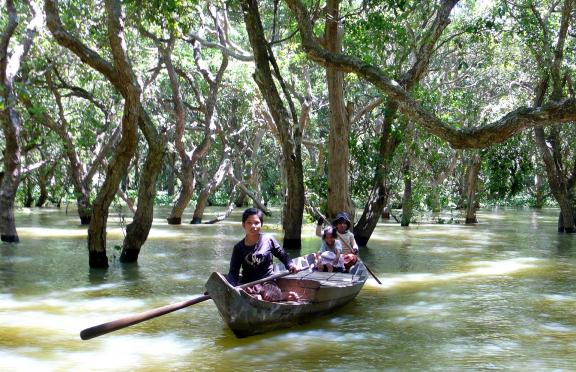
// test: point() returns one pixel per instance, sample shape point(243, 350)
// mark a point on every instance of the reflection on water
point(498, 295)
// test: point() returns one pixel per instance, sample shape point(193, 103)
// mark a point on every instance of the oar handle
point(117, 324)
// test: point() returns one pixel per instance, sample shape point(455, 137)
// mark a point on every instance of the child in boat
point(343, 224)
point(329, 258)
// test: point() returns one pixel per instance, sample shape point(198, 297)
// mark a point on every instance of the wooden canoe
point(319, 292)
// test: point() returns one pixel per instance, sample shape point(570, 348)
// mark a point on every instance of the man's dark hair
point(252, 211)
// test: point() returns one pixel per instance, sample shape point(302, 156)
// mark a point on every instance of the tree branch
point(498, 131)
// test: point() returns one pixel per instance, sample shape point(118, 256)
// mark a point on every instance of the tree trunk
point(380, 191)
point(137, 231)
point(188, 183)
point(170, 176)
point(43, 177)
point(338, 147)
point(559, 184)
point(240, 199)
point(539, 192)
point(10, 182)
point(289, 132)
point(29, 198)
point(472, 184)
point(189, 161)
point(407, 197)
point(209, 189)
point(10, 63)
point(127, 146)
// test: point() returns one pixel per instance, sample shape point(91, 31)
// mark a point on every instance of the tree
point(11, 60)
point(120, 74)
point(286, 122)
point(498, 131)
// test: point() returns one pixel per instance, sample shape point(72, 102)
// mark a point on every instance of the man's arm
point(235, 264)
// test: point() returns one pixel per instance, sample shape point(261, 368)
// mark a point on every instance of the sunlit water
point(499, 295)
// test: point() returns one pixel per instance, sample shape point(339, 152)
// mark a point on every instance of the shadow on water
point(566, 245)
point(97, 276)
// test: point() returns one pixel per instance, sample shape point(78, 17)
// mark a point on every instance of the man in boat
point(253, 254)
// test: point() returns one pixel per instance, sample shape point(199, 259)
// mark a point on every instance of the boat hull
point(319, 294)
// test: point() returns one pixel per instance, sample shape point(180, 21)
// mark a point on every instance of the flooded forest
point(134, 134)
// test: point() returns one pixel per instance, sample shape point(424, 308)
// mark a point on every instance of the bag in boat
point(327, 257)
point(349, 260)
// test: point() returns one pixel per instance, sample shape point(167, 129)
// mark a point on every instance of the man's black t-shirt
point(255, 260)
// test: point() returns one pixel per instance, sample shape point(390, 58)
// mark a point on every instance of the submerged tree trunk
point(407, 196)
point(561, 185)
point(28, 198)
point(185, 195)
point(10, 63)
point(561, 179)
point(471, 186)
point(137, 231)
point(289, 132)
point(338, 146)
point(209, 189)
point(122, 77)
point(380, 192)
point(170, 175)
point(538, 192)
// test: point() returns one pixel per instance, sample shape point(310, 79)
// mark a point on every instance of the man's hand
point(293, 269)
point(292, 296)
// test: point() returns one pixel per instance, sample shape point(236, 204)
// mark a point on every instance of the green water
point(499, 295)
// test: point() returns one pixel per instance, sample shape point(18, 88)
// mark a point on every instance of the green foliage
point(364, 151)
point(178, 17)
point(482, 70)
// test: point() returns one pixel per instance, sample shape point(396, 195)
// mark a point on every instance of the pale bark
point(237, 183)
point(229, 209)
point(538, 192)
point(471, 186)
point(10, 64)
point(189, 160)
point(223, 170)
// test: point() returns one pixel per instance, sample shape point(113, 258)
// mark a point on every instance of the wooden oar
point(366, 266)
point(352, 250)
point(117, 324)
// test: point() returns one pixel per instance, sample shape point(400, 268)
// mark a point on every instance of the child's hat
point(342, 216)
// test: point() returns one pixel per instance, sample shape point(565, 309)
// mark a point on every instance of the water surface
point(497, 295)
